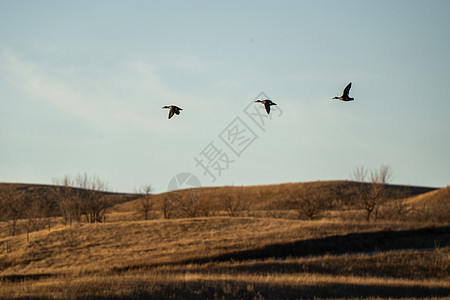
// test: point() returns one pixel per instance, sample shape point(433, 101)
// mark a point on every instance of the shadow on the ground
point(233, 290)
point(16, 278)
point(367, 242)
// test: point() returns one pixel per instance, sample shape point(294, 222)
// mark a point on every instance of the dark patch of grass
point(411, 265)
point(424, 238)
point(259, 291)
point(241, 290)
point(18, 278)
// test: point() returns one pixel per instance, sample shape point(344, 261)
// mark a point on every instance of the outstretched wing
point(171, 113)
point(347, 89)
point(267, 106)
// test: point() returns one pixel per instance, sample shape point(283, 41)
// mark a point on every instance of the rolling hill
point(274, 195)
point(256, 255)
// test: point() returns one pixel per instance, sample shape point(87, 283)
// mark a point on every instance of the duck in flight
point(267, 103)
point(173, 110)
point(345, 96)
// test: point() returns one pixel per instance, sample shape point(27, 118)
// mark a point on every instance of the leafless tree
point(274, 210)
point(12, 204)
point(232, 200)
point(185, 204)
point(371, 194)
point(171, 205)
point(23, 203)
point(146, 204)
point(68, 199)
point(193, 204)
point(360, 174)
point(36, 211)
point(91, 194)
point(308, 202)
point(396, 208)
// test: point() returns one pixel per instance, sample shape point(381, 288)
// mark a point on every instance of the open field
point(251, 256)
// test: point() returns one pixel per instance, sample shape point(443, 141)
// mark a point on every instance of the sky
point(82, 85)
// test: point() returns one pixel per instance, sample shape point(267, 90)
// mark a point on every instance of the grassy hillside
point(258, 197)
point(432, 206)
point(274, 195)
point(47, 192)
point(252, 256)
point(431, 198)
point(234, 257)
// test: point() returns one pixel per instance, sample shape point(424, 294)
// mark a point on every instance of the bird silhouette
point(173, 110)
point(345, 96)
point(267, 103)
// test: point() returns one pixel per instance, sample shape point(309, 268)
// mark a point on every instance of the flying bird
point(267, 103)
point(173, 110)
point(345, 96)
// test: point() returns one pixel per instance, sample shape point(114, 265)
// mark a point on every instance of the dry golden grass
point(98, 247)
point(173, 258)
point(227, 258)
point(162, 285)
point(432, 198)
point(265, 196)
point(199, 282)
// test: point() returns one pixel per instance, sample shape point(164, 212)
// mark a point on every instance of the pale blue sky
point(82, 84)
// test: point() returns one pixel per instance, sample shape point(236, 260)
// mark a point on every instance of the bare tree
point(146, 204)
point(171, 205)
point(396, 209)
point(69, 202)
point(12, 204)
point(28, 204)
point(185, 204)
point(193, 204)
point(91, 194)
point(370, 195)
point(36, 212)
point(381, 176)
point(308, 202)
point(232, 200)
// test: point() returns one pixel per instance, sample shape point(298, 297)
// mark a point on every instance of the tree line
point(367, 192)
point(83, 199)
point(71, 198)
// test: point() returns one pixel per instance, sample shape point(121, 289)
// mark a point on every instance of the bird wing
point(171, 113)
point(347, 89)
point(267, 106)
